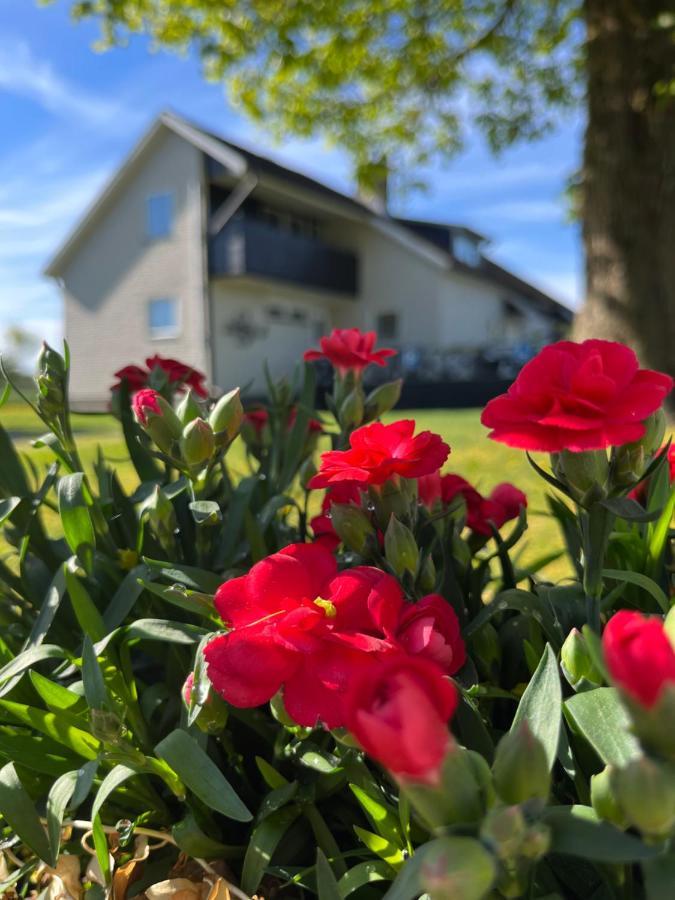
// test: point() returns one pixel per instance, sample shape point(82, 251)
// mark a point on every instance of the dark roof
point(487, 268)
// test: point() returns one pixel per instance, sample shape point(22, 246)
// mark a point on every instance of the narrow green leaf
point(56, 696)
point(659, 536)
point(600, 717)
point(659, 875)
point(125, 597)
point(110, 783)
point(575, 831)
point(272, 778)
point(201, 775)
point(365, 873)
point(525, 602)
point(541, 705)
point(86, 613)
point(29, 658)
point(19, 812)
point(62, 727)
point(57, 802)
point(382, 817)
point(262, 844)
point(36, 752)
point(641, 581)
point(7, 507)
point(390, 851)
point(78, 529)
point(326, 882)
point(196, 579)
point(191, 840)
point(163, 630)
point(92, 678)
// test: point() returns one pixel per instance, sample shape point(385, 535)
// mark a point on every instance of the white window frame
point(165, 332)
point(164, 235)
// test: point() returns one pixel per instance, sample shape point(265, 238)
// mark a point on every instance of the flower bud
point(504, 831)
point(400, 547)
point(350, 413)
point(212, 717)
point(197, 443)
point(106, 726)
point(537, 841)
point(226, 418)
point(382, 399)
point(51, 381)
point(188, 408)
point(457, 867)
point(603, 799)
point(427, 579)
point(577, 665)
point(586, 474)
point(162, 517)
point(520, 769)
point(157, 418)
point(645, 791)
point(464, 794)
point(631, 459)
point(353, 527)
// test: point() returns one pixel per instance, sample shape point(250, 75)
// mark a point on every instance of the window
point(465, 249)
point(159, 216)
point(163, 318)
point(386, 326)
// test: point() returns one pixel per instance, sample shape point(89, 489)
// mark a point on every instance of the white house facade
point(200, 250)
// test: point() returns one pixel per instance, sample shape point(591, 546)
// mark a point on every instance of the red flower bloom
point(639, 493)
point(507, 501)
point(179, 372)
point(378, 452)
point(296, 623)
point(398, 711)
point(350, 349)
point(577, 397)
point(640, 658)
point(322, 526)
point(503, 504)
point(134, 376)
point(257, 418)
point(430, 628)
point(144, 402)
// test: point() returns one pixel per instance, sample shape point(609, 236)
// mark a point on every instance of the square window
point(159, 216)
point(386, 326)
point(163, 318)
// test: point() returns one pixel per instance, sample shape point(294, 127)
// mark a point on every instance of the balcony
point(249, 246)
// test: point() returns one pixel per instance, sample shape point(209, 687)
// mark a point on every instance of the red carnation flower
point(348, 349)
point(322, 526)
point(296, 623)
point(145, 402)
point(430, 628)
point(179, 373)
point(379, 452)
point(639, 655)
point(576, 397)
point(398, 711)
point(503, 504)
point(134, 376)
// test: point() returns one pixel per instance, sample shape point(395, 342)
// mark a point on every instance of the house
point(202, 250)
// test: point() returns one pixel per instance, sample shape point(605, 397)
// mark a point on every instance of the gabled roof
point(239, 161)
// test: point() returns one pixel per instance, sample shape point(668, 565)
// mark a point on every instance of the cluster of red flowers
point(640, 656)
point(576, 397)
point(502, 505)
point(350, 350)
point(178, 374)
point(347, 649)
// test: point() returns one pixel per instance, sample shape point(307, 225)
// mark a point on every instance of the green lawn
point(480, 460)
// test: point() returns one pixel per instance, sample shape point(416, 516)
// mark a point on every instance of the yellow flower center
point(327, 606)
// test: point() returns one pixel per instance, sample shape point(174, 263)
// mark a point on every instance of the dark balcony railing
point(248, 246)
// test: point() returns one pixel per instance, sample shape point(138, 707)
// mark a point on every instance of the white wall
point(116, 270)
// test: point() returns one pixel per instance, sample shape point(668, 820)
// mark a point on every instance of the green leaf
point(62, 727)
point(524, 602)
point(390, 851)
point(92, 678)
point(629, 510)
point(659, 876)
point(576, 831)
point(191, 577)
point(12, 475)
point(36, 752)
point(57, 802)
point(29, 658)
point(125, 596)
point(658, 537)
point(86, 613)
point(262, 844)
point(365, 873)
point(78, 529)
point(163, 630)
point(276, 799)
point(178, 595)
point(205, 513)
point(7, 507)
point(600, 717)
point(382, 817)
point(326, 883)
point(541, 705)
point(110, 783)
point(48, 609)
point(191, 840)
point(19, 812)
point(56, 696)
point(641, 581)
point(273, 779)
point(201, 775)
point(297, 438)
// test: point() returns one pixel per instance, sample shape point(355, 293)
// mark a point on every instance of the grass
point(478, 459)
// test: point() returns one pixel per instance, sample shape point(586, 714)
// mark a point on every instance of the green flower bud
point(382, 399)
point(161, 517)
point(427, 579)
point(537, 841)
point(463, 796)
point(397, 497)
point(157, 417)
point(457, 867)
point(586, 474)
point(400, 547)
point(604, 801)
point(212, 717)
point(520, 769)
point(226, 418)
point(630, 460)
point(106, 726)
point(353, 527)
point(645, 791)
point(51, 381)
point(188, 409)
point(198, 443)
point(577, 665)
point(350, 413)
point(306, 472)
point(504, 831)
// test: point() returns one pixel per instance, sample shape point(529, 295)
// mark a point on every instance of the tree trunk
point(629, 179)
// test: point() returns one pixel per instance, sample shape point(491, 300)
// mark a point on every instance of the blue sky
point(68, 115)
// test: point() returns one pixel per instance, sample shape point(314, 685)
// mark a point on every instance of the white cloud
point(23, 74)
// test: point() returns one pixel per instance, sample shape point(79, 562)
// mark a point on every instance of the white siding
point(116, 270)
